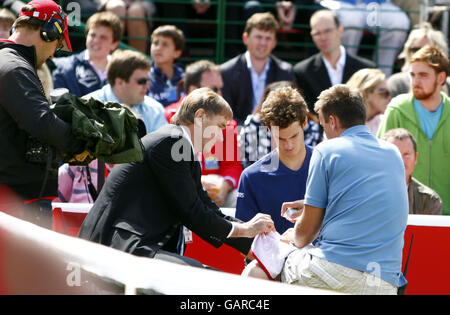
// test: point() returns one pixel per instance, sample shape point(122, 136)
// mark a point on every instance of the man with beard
point(424, 113)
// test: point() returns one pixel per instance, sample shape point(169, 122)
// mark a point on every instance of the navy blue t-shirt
point(266, 184)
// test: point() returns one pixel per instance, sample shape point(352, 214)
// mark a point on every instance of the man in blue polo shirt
point(356, 205)
point(281, 174)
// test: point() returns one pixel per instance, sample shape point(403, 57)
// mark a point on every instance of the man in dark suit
point(246, 75)
point(332, 65)
point(143, 206)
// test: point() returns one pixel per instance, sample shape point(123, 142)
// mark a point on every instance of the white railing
point(34, 260)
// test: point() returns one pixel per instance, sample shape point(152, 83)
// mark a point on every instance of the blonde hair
point(434, 57)
point(424, 30)
point(366, 80)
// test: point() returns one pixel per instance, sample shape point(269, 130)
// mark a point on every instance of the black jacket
point(25, 112)
point(143, 206)
point(237, 83)
point(312, 78)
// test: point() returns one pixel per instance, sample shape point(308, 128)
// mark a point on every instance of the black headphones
point(53, 28)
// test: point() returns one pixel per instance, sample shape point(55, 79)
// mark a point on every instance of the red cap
point(45, 10)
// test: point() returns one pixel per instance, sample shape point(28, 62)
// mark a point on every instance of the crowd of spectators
point(267, 125)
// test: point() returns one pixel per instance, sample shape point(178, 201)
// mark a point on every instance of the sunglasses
point(215, 89)
point(413, 50)
point(142, 81)
point(384, 93)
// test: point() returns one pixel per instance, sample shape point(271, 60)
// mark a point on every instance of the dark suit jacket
point(237, 85)
point(143, 206)
point(312, 78)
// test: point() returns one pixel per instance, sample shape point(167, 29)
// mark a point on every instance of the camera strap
point(91, 187)
point(47, 171)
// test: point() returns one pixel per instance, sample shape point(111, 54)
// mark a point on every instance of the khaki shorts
point(301, 268)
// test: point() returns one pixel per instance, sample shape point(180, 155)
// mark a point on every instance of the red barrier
point(427, 271)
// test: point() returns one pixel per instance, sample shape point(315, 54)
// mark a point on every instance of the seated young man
point(167, 46)
point(280, 175)
point(85, 72)
point(355, 207)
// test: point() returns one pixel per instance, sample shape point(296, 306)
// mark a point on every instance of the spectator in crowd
point(332, 65)
point(422, 199)
point(425, 113)
point(133, 15)
point(128, 82)
point(167, 46)
point(255, 138)
point(128, 85)
point(376, 96)
point(246, 75)
point(280, 175)
point(412, 8)
point(143, 206)
point(85, 72)
point(423, 34)
point(221, 169)
point(25, 111)
point(286, 12)
point(7, 19)
point(381, 17)
point(355, 206)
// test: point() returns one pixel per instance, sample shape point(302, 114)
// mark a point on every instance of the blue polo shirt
point(360, 182)
point(266, 184)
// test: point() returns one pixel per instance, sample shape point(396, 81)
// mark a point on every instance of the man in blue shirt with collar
point(128, 84)
point(355, 206)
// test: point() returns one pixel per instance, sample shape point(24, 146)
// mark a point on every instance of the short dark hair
point(205, 98)
point(28, 21)
point(6, 16)
point(262, 21)
point(124, 62)
point(400, 134)
point(172, 32)
point(107, 19)
point(194, 71)
point(283, 107)
point(345, 103)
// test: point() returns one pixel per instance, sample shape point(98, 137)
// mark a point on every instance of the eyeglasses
point(215, 89)
point(142, 81)
point(60, 44)
point(326, 31)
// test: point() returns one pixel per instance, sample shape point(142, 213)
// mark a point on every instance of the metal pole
point(423, 10)
point(220, 43)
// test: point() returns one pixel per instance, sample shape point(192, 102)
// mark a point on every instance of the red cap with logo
point(47, 10)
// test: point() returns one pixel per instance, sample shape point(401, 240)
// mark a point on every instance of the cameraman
point(38, 32)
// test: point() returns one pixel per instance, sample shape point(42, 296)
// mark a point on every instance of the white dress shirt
point(336, 74)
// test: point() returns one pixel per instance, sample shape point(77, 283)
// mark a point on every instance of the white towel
point(271, 253)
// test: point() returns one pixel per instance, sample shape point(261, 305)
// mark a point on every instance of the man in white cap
point(25, 115)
